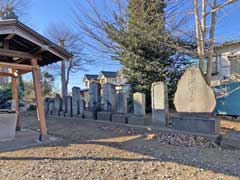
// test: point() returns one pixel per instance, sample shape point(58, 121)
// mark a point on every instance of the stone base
point(68, 115)
point(7, 126)
point(138, 120)
point(103, 115)
point(120, 118)
point(197, 125)
point(90, 114)
point(160, 117)
point(80, 116)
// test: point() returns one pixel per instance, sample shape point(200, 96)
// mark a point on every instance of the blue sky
point(41, 13)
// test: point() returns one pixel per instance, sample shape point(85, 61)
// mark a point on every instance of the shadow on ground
point(135, 141)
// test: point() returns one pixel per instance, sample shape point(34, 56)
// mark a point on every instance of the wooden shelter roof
point(24, 43)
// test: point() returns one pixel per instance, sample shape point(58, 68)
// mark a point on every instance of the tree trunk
point(211, 44)
point(63, 80)
point(199, 36)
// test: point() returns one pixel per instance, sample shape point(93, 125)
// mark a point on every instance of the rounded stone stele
point(193, 95)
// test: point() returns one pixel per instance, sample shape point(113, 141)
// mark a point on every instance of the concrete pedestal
point(120, 118)
point(196, 124)
point(104, 115)
point(139, 120)
point(7, 126)
point(90, 114)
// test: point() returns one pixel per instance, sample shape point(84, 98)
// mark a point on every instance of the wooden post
point(15, 98)
point(39, 98)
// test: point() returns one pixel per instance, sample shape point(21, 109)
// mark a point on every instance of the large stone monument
point(94, 103)
point(75, 101)
point(193, 95)
point(139, 102)
point(108, 102)
point(160, 107)
point(195, 101)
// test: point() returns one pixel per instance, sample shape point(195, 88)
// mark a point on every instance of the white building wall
point(223, 63)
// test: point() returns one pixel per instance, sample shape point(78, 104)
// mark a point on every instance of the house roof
point(91, 76)
point(24, 39)
point(229, 43)
point(108, 74)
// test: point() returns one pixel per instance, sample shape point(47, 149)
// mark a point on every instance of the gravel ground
point(101, 151)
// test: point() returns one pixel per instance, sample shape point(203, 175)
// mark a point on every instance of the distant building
point(88, 78)
point(226, 60)
point(107, 77)
point(116, 78)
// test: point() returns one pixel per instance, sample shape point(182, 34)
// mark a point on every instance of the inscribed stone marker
point(139, 101)
point(160, 103)
point(193, 95)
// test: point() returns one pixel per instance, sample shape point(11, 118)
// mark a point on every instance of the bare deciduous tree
point(68, 39)
point(205, 12)
point(93, 19)
point(19, 6)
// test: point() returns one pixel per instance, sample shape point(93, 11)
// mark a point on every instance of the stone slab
point(139, 103)
point(196, 125)
point(7, 126)
point(75, 101)
point(94, 96)
point(122, 102)
point(90, 114)
point(193, 94)
point(160, 107)
point(106, 116)
point(120, 118)
point(108, 98)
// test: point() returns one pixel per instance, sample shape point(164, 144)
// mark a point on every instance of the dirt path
point(99, 151)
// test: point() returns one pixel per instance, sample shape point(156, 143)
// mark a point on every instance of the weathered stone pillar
point(94, 103)
point(75, 101)
point(81, 105)
point(122, 100)
point(160, 106)
point(94, 96)
point(58, 104)
point(69, 106)
point(139, 102)
point(109, 99)
point(46, 105)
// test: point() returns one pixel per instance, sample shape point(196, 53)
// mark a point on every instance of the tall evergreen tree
point(144, 47)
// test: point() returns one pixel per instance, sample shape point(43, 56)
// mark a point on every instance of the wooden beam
point(15, 98)
point(39, 98)
point(12, 53)
point(21, 72)
point(6, 44)
point(10, 36)
point(17, 66)
point(8, 74)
